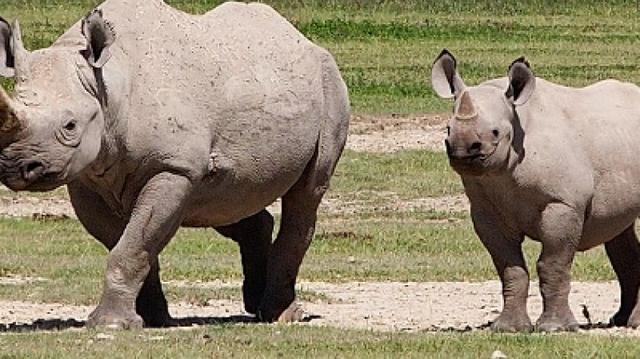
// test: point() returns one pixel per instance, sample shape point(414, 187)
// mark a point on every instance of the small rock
point(498, 355)
point(351, 259)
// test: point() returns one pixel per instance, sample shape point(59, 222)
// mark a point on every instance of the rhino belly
point(244, 190)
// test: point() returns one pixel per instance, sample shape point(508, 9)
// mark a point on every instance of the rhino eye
point(496, 133)
point(70, 125)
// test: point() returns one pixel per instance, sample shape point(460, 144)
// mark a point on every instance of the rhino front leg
point(507, 256)
point(254, 236)
point(561, 227)
point(102, 223)
point(624, 254)
point(157, 215)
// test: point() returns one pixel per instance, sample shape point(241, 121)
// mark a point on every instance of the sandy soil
point(383, 135)
point(386, 306)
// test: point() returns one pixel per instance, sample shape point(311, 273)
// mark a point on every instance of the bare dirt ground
point(383, 135)
point(386, 306)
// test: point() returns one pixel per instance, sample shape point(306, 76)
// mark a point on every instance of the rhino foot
point(619, 319)
point(563, 323)
point(294, 313)
point(634, 320)
point(512, 323)
point(114, 319)
point(252, 293)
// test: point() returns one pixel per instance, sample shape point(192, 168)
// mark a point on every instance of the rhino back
point(238, 88)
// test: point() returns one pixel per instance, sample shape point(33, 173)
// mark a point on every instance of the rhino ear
point(100, 36)
point(522, 82)
point(6, 53)
point(445, 80)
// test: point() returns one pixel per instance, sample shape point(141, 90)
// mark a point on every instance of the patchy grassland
point(385, 48)
point(400, 247)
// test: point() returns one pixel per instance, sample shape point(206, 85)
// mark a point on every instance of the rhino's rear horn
point(9, 121)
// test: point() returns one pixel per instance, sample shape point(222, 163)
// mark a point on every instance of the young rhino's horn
point(9, 122)
point(465, 110)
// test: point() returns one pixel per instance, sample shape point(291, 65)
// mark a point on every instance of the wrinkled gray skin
point(556, 164)
point(156, 119)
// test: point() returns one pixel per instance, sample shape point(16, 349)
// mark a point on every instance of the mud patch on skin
point(379, 306)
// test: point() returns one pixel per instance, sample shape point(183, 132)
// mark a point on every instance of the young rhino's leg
point(561, 230)
point(506, 252)
point(254, 236)
point(157, 215)
point(106, 227)
point(624, 254)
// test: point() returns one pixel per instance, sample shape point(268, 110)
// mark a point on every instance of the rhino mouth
point(46, 181)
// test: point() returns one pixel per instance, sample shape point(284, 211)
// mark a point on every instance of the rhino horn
point(466, 110)
point(20, 53)
point(9, 121)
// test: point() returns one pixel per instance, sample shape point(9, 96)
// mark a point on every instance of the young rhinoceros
point(158, 119)
point(556, 164)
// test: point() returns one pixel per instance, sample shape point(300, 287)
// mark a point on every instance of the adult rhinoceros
point(557, 164)
point(156, 118)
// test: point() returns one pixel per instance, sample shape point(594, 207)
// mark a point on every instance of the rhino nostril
point(32, 170)
point(475, 148)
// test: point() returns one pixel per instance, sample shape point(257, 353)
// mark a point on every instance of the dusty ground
point(384, 306)
point(374, 134)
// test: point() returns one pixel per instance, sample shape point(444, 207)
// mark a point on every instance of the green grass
point(405, 247)
point(271, 341)
point(410, 174)
point(385, 48)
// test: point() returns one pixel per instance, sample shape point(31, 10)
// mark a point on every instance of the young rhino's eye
point(70, 125)
point(496, 133)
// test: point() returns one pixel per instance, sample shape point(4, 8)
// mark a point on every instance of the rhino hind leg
point(297, 227)
point(624, 254)
point(300, 203)
point(107, 228)
point(254, 236)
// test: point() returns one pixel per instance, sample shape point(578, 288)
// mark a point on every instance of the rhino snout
point(464, 151)
point(32, 170)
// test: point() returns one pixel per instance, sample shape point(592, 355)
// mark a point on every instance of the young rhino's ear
point(6, 53)
point(522, 82)
point(100, 36)
point(445, 80)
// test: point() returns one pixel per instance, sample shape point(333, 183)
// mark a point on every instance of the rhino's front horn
point(466, 110)
point(9, 121)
